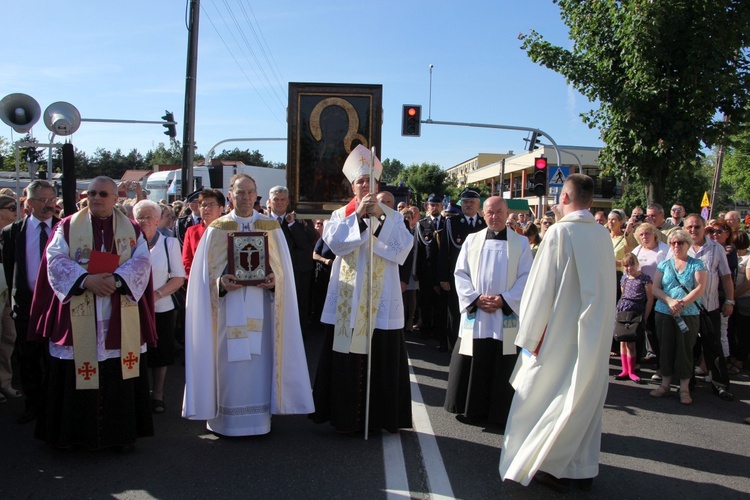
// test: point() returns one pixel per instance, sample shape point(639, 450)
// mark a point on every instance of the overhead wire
point(224, 22)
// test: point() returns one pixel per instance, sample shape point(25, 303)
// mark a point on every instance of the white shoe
point(656, 376)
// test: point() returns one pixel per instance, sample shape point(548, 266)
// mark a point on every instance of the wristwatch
point(118, 282)
point(381, 218)
point(730, 302)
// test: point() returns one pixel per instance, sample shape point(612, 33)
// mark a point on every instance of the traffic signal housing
point(411, 120)
point(171, 130)
point(533, 142)
point(540, 176)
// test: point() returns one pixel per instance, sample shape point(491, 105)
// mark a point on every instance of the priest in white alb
point(341, 380)
point(561, 379)
point(244, 356)
point(490, 275)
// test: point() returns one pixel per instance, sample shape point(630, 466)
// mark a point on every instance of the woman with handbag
point(633, 310)
point(678, 284)
point(168, 276)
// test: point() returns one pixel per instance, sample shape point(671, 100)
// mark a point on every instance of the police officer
point(430, 236)
point(456, 230)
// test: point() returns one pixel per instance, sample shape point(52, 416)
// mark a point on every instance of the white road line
point(396, 482)
point(437, 477)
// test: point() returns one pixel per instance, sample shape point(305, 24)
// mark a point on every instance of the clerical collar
point(502, 235)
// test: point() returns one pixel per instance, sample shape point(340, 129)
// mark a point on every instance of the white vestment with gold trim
point(238, 375)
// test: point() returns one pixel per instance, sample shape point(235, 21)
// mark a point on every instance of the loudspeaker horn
point(20, 111)
point(62, 118)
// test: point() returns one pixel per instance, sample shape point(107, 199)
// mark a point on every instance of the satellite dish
point(62, 118)
point(20, 111)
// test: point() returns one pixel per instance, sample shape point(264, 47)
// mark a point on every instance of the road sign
point(557, 176)
point(705, 202)
point(704, 213)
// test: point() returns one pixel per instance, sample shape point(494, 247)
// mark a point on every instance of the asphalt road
point(651, 448)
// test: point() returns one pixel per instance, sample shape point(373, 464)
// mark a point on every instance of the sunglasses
point(710, 230)
point(12, 208)
point(676, 243)
point(100, 194)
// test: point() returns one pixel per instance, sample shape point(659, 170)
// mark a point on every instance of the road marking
point(396, 482)
point(439, 484)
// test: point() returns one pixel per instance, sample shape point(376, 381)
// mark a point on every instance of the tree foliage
point(735, 174)
point(248, 157)
point(391, 170)
point(661, 72)
point(424, 180)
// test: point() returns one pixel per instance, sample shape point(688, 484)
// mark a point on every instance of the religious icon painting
point(248, 257)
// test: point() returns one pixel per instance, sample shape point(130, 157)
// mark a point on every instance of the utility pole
point(188, 130)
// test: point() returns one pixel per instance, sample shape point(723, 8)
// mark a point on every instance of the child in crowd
point(637, 297)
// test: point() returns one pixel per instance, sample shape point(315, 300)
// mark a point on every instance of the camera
point(640, 217)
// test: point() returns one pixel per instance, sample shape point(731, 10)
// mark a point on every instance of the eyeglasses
point(209, 205)
point(546, 223)
point(676, 209)
point(100, 194)
point(45, 200)
point(710, 230)
point(12, 208)
point(145, 218)
point(676, 243)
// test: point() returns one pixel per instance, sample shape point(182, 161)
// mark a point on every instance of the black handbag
point(178, 297)
point(628, 326)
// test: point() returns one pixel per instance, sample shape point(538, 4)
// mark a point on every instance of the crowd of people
point(95, 299)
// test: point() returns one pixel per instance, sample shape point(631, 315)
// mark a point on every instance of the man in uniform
point(193, 218)
point(566, 316)
point(93, 304)
point(490, 276)
point(244, 356)
point(430, 237)
point(456, 231)
point(341, 381)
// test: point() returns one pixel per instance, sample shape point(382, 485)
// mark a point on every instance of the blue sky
point(127, 60)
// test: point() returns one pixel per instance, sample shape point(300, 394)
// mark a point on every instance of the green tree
point(248, 157)
point(391, 170)
point(661, 72)
point(736, 166)
point(165, 156)
point(424, 180)
point(104, 162)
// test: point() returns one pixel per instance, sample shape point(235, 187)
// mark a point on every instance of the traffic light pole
point(505, 127)
point(501, 127)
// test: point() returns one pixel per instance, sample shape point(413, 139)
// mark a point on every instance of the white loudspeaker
point(62, 118)
point(20, 111)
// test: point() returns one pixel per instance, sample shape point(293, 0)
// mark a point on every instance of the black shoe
point(622, 377)
point(584, 484)
point(551, 482)
point(477, 422)
point(26, 417)
point(725, 395)
point(443, 348)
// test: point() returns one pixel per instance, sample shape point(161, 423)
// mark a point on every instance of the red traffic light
point(540, 163)
point(412, 112)
point(411, 119)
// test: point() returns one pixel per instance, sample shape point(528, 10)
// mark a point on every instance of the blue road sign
point(557, 175)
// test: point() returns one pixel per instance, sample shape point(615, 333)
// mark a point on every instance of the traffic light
point(171, 130)
point(533, 142)
point(540, 176)
point(411, 120)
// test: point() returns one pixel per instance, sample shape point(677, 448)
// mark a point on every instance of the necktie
point(471, 221)
point(42, 238)
point(281, 219)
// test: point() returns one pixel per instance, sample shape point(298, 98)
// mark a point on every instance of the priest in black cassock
point(491, 273)
point(93, 308)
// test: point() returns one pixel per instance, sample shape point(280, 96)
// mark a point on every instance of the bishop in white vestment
point(561, 379)
point(244, 355)
point(490, 275)
point(340, 383)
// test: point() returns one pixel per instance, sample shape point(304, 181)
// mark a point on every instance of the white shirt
point(160, 271)
point(33, 256)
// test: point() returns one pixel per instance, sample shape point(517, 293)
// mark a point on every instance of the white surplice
point(491, 279)
point(63, 272)
point(237, 390)
point(555, 419)
point(393, 244)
